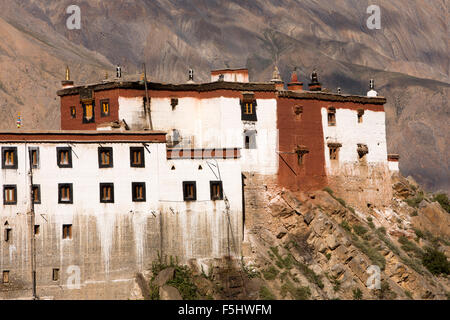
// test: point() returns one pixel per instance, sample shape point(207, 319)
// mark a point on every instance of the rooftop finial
point(67, 73)
point(276, 77)
point(371, 84)
point(314, 77)
point(315, 85)
point(118, 72)
point(191, 76)
point(372, 92)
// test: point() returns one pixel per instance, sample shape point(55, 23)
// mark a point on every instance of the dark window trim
point(70, 185)
point(92, 120)
point(211, 183)
point(55, 274)
point(73, 112)
point(111, 185)
point(30, 149)
point(248, 117)
point(60, 149)
point(10, 186)
point(69, 235)
point(133, 191)
point(4, 165)
point(194, 198)
point(141, 149)
point(111, 162)
point(38, 186)
point(102, 114)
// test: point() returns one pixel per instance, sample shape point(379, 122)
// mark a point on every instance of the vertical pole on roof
point(148, 115)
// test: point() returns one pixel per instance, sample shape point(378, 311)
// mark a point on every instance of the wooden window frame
point(14, 158)
point(360, 115)
point(298, 111)
point(141, 150)
point(248, 108)
point(59, 150)
point(67, 232)
point(187, 197)
point(37, 229)
point(335, 152)
point(105, 114)
point(331, 117)
point(31, 152)
point(55, 274)
point(107, 185)
point(135, 185)
point(5, 277)
point(73, 112)
point(65, 185)
point(84, 104)
point(8, 234)
point(111, 161)
point(38, 188)
point(211, 189)
point(9, 187)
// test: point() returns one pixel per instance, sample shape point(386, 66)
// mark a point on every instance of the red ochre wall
point(308, 132)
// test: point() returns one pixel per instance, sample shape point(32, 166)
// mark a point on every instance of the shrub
point(328, 189)
point(443, 200)
point(271, 273)
point(266, 294)
point(385, 292)
point(298, 293)
point(344, 224)
point(409, 246)
point(359, 230)
point(382, 230)
point(414, 201)
point(409, 295)
point(310, 274)
point(371, 225)
point(342, 202)
point(419, 234)
point(357, 294)
point(374, 256)
point(435, 261)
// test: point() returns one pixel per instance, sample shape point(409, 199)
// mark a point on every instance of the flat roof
point(82, 136)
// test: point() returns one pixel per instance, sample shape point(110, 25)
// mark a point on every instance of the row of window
point(65, 192)
point(6, 278)
point(334, 148)
point(64, 157)
point(89, 110)
point(332, 116)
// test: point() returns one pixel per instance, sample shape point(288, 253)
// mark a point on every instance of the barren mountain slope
point(173, 35)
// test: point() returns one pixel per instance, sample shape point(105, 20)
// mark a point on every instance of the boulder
point(164, 276)
point(169, 293)
point(332, 242)
point(308, 217)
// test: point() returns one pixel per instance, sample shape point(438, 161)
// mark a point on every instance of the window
point(5, 277)
point(360, 115)
point(331, 116)
point(73, 112)
point(67, 231)
point(138, 190)
point(36, 194)
point(137, 157)
point(105, 108)
point(248, 107)
point(64, 157)
point(173, 102)
point(34, 156)
point(106, 192)
point(250, 139)
point(298, 111)
point(65, 193)
point(105, 157)
point(37, 229)
point(216, 190)
point(55, 275)
point(8, 234)
point(334, 150)
point(189, 191)
point(88, 112)
point(362, 150)
point(9, 158)
point(9, 194)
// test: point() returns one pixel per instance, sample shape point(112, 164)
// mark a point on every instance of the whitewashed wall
point(213, 123)
point(231, 77)
point(349, 133)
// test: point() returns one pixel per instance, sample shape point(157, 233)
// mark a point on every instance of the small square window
point(189, 191)
point(36, 194)
point(138, 190)
point(8, 234)
point(137, 159)
point(64, 157)
point(67, 231)
point(73, 112)
point(216, 190)
point(9, 157)
point(55, 275)
point(65, 193)
point(334, 152)
point(105, 157)
point(37, 229)
point(9, 194)
point(298, 111)
point(34, 156)
point(5, 277)
point(106, 192)
point(105, 108)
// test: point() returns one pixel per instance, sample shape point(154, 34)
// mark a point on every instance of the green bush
point(443, 200)
point(344, 224)
point(266, 294)
point(359, 230)
point(357, 294)
point(271, 273)
point(409, 246)
point(328, 189)
point(298, 293)
point(435, 261)
point(414, 201)
point(385, 292)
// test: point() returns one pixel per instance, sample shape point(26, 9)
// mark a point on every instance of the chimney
point(372, 92)
point(276, 79)
point(315, 85)
point(294, 84)
point(191, 76)
point(67, 83)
